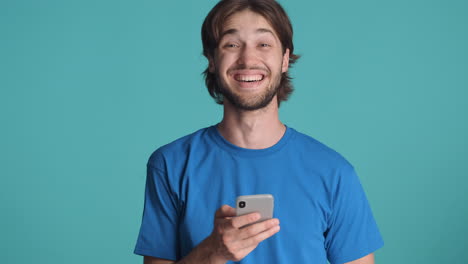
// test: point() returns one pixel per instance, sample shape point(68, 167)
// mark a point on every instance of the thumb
point(225, 211)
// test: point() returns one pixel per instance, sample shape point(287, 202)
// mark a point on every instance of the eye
point(265, 45)
point(231, 45)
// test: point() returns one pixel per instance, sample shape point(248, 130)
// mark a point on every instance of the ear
point(211, 65)
point(285, 65)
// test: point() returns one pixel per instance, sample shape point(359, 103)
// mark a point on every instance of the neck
point(257, 129)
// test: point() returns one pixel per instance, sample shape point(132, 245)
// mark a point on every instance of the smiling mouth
point(249, 78)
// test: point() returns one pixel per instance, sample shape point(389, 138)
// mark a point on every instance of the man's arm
point(152, 260)
point(230, 240)
point(369, 259)
point(203, 253)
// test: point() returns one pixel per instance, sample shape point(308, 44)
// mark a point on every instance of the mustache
point(241, 67)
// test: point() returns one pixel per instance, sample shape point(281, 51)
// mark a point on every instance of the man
point(323, 210)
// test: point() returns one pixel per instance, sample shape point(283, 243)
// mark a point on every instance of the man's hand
point(230, 240)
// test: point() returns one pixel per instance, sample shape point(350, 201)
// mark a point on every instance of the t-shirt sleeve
point(158, 232)
point(352, 231)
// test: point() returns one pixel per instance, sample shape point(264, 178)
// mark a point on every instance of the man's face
point(249, 61)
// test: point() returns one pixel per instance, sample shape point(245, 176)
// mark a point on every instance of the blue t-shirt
point(322, 208)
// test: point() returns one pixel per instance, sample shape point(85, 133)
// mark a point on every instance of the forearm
point(228, 241)
point(203, 253)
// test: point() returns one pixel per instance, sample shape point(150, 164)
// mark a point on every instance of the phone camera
point(241, 204)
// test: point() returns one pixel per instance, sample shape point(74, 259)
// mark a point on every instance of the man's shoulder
point(180, 146)
point(309, 146)
point(185, 141)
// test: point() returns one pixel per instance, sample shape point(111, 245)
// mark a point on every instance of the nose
point(247, 56)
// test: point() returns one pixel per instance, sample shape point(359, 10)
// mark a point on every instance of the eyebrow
point(234, 31)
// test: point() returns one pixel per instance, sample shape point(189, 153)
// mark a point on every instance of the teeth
point(249, 78)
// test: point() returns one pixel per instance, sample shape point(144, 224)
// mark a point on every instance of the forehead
point(246, 21)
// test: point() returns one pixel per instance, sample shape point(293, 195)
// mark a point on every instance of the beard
point(250, 103)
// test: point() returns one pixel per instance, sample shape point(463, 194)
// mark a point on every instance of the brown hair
point(272, 12)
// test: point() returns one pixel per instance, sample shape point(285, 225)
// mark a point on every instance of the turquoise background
point(88, 89)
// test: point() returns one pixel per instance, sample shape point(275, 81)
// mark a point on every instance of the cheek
point(275, 65)
point(273, 60)
point(225, 62)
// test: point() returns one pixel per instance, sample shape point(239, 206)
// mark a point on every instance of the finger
point(232, 224)
point(257, 228)
point(255, 240)
point(243, 220)
point(225, 211)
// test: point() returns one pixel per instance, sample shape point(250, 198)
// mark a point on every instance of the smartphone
point(261, 203)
